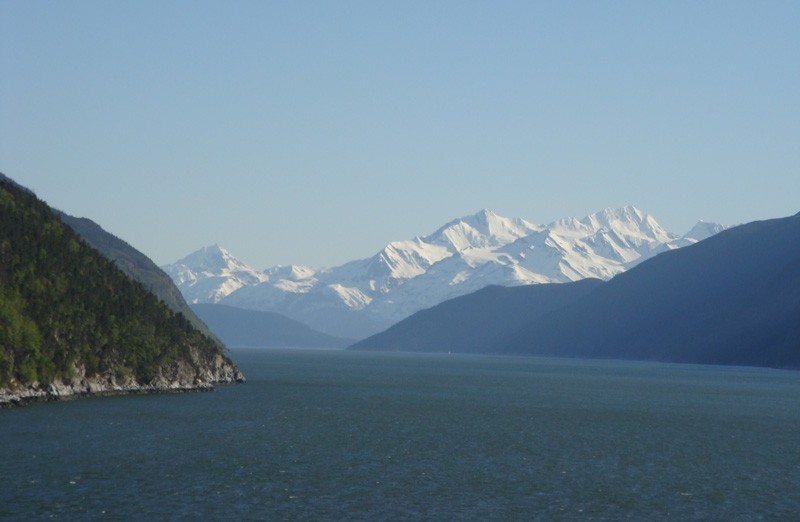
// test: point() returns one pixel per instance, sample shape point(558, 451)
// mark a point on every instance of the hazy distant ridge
point(240, 328)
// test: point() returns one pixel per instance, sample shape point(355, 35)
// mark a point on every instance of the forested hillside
point(136, 265)
point(69, 315)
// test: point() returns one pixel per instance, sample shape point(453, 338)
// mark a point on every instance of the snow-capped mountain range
point(366, 296)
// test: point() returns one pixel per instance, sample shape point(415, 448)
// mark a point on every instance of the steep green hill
point(72, 322)
point(136, 265)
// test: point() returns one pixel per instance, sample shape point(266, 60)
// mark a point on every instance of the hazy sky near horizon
point(317, 132)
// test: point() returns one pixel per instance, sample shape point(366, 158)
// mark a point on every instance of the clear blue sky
point(317, 132)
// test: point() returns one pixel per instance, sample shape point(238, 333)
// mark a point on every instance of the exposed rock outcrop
point(180, 377)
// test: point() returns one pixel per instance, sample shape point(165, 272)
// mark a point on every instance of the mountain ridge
point(740, 281)
point(365, 296)
point(473, 322)
point(731, 299)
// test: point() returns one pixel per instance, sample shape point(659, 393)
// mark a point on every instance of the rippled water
point(323, 435)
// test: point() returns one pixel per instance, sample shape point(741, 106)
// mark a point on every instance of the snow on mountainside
point(482, 230)
point(211, 274)
point(365, 296)
point(703, 230)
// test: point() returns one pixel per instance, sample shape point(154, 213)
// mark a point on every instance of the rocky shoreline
point(178, 377)
point(14, 399)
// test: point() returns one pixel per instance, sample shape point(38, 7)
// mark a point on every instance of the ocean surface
point(331, 435)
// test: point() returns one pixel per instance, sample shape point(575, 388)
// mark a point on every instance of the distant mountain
point(251, 328)
point(366, 296)
point(211, 274)
point(731, 299)
point(476, 322)
point(72, 323)
point(136, 265)
point(703, 230)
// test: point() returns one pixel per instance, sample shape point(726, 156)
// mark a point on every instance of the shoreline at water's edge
point(180, 376)
point(30, 396)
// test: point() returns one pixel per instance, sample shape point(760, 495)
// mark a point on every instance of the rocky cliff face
point(198, 374)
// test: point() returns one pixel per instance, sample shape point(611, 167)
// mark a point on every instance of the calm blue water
point(324, 435)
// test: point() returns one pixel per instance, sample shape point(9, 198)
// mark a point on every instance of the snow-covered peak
point(571, 227)
point(490, 224)
point(211, 274)
point(703, 230)
point(405, 259)
point(290, 272)
point(629, 222)
point(213, 260)
point(481, 230)
point(460, 257)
